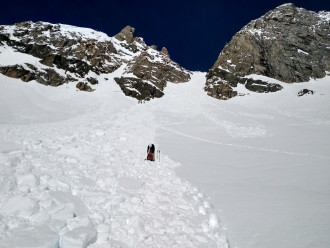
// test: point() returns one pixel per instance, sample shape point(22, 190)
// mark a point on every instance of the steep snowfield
point(262, 158)
point(73, 174)
point(254, 169)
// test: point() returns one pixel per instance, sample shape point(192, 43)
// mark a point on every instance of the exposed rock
point(154, 47)
point(305, 91)
point(131, 47)
point(50, 77)
point(127, 34)
point(157, 70)
point(65, 50)
point(15, 71)
point(138, 88)
point(220, 84)
point(288, 43)
point(260, 86)
point(71, 52)
point(164, 52)
point(84, 87)
point(46, 77)
point(92, 80)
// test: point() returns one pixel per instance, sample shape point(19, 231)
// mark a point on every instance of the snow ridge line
point(247, 147)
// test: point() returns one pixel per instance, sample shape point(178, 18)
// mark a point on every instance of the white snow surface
point(252, 171)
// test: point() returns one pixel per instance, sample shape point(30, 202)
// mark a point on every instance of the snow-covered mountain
point(56, 54)
point(249, 172)
point(289, 44)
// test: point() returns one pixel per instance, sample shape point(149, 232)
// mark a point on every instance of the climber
point(151, 152)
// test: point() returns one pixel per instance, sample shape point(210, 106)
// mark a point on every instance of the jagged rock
point(220, 84)
point(50, 77)
point(138, 88)
point(147, 67)
point(164, 52)
point(305, 91)
point(154, 47)
point(288, 43)
point(127, 34)
point(71, 52)
point(220, 90)
point(15, 71)
point(82, 54)
point(84, 87)
point(260, 86)
point(223, 75)
point(92, 80)
point(131, 47)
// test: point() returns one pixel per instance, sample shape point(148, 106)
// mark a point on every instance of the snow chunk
point(213, 222)
point(79, 237)
point(21, 206)
point(33, 236)
point(6, 147)
point(80, 208)
point(130, 183)
point(28, 180)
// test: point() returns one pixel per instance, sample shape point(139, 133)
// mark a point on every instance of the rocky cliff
point(67, 54)
point(289, 44)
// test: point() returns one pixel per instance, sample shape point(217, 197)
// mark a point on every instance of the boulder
point(84, 87)
point(305, 91)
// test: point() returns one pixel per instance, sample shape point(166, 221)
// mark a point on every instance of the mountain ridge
point(287, 43)
point(73, 54)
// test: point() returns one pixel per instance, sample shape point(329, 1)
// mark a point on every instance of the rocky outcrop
point(306, 91)
point(67, 54)
point(158, 69)
point(288, 44)
point(28, 72)
point(220, 84)
point(84, 87)
point(165, 52)
point(138, 88)
point(126, 34)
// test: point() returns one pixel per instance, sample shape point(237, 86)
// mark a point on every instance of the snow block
point(21, 206)
point(79, 237)
point(28, 180)
point(130, 183)
point(33, 236)
point(213, 221)
point(80, 208)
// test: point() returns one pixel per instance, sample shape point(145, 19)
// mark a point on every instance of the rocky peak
point(65, 54)
point(154, 47)
point(288, 43)
point(127, 33)
point(164, 52)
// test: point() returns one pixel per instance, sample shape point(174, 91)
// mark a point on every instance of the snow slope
point(262, 158)
point(254, 170)
point(73, 174)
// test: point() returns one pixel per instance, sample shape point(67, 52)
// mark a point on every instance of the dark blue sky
point(194, 32)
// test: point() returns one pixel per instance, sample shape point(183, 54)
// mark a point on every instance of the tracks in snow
point(84, 182)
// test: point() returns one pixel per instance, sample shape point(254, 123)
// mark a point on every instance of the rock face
point(220, 84)
point(138, 88)
point(67, 54)
point(127, 34)
point(288, 44)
